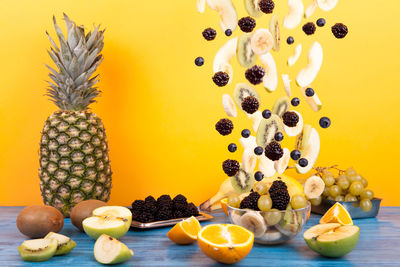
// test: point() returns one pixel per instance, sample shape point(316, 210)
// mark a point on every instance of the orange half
point(224, 205)
point(337, 214)
point(185, 232)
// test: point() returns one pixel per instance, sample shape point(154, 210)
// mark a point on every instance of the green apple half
point(332, 239)
point(108, 250)
point(111, 220)
point(65, 244)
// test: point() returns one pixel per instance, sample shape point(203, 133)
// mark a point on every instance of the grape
point(354, 178)
point(329, 180)
point(367, 194)
point(335, 190)
point(272, 217)
point(298, 202)
point(339, 198)
point(234, 201)
point(343, 182)
point(330, 198)
point(261, 188)
point(366, 205)
point(326, 191)
point(356, 188)
point(264, 203)
point(350, 171)
point(364, 182)
point(350, 197)
point(316, 201)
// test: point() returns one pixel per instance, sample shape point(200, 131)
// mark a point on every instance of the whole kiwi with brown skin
point(38, 220)
point(84, 210)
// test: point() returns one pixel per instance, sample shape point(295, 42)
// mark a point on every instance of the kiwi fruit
point(38, 249)
point(267, 129)
point(245, 54)
point(243, 90)
point(281, 106)
point(252, 8)
point(65, 244)
point(302, 138)
point(242, 181)
point(84, 210)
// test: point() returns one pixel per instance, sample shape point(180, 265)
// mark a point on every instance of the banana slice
point(229, 105)
point(274, 29)
point(307, 75)
point(314, 187)
point(227, 13)
point(223, 56)
point(261, 41)
point(286, 84)
point(293, 59)
point(201, 5)
point(256, 118)
point(294, 131)
point(252, 8)
point(235, 217)
point(281, 164)
point(293, 18)
point(313, 101)
point(249, 142)
point(327, 5)
point(270, 79)
point(310, 150)
point(266, 166)
point(310, 9)
point(249, 160)
point(254, 222)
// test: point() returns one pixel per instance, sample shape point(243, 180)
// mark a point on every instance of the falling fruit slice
point(281, 164)
point(294, 131)
point(253, 8)
point(286, 84)
point(270, 79)
point(267, 129)
point(255, 118)
point(108, 250)
point(201, 5)
point(293, 59)
point(311, 9)
point(307, 75)
point(261, 41)
point(314, 187)
point(227, 13)
point(185, 232)
point(243, 90)
point(308, 143)
point(327, 5)
point(313, 101)
point(274, 29)
point(249, 160)
point(293, 18)
point(245, 55)
point(281, 105)
point(249, 142)
point(337, 214)
point(266, 166)
point(229, 105)
point(223, 56)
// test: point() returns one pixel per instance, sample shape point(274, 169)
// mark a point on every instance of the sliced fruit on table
point(275, 31)
point(115, 211)
point(270, 79)
point(293, 58)
point(308, 143)
point(307, 75)
point(224, 205)
point(332, 239)
point(294, 131)
point(185, 232)
point(37, 250)
point(225, 243)
point(337, 214)
point(108, 250)
point(83, 210)
point(314, 187)
point(313, 101)
point(223, 57)
point(227, 13)
point(65, 244)
point(245, 54)
point(295, 14)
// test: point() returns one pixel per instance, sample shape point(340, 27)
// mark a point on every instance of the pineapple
point(73, 156)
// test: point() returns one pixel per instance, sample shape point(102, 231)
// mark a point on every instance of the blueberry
point(303, 162)
point(295, 101)
point(246, 133)
point(228, 32)
point(258, 176)
point(266, 114)
point(290, 40)
point(232, 147)
point(295, 154)
point(324, 122)
point(258, 151)
point(321, 22)
point(278, 136)
point(199, 61)
point(309, 92)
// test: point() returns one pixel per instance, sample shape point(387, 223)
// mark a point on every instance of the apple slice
point(296, 11)
point(293, 59)
point(256, 118)
point(307, 75)
point(223, 56)
point(266, 166)
point(311, 9)
point(108, 250)
point(294, 131)
point(281, 164)
point(313, 101)
point(286, 84)
point(115, 211)
point(227, 13)
point(308, 143)
point(327, 5)
point(201, 5)
point(270, 79)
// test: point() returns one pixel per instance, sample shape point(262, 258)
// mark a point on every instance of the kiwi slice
point(252, 8)
point(267, 130)
point(281, 106)
point(242, 181)
point(302, 138)
point(65, 244)
point(245, 54)
point(243, 90)
point(38, 249)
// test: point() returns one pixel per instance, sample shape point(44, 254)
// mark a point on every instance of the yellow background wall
point(160, 109)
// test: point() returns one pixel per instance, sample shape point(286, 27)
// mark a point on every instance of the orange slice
point(226, 243)
point(337, 214)
point(224, 205)
point(185, 232)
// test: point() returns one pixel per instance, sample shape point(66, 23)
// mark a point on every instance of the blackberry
point(150, 208)
point(199, 61)
point(224, 126)
point(230, 167)
point(258, 176)
point(255, 74)
point(180, 199)
point(137, 205)
point(258, 151)
point(247, 24)
point(266, 6)
point(295, 101)
point(309, 28)
point(290, 40)
point(324, 122)
point(273, 151)
point(145, 217)
point(250, 104)
point(250, 202)
point(228, 32)
point(278, 136)
point(279, 195)
point(232, 147)
point(321, 22)
point(221, 78)
point(150, 199)
point(179, 214)
point(290, 118)
point(209, 34)
point(339, 30)
point(295, 154)
point(180, 206)
point(192, 209)
point(164, 200)
point(266, 114)
point(245, 133)
point(164, 214)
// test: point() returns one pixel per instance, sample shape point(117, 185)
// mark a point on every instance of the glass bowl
point(271, 227)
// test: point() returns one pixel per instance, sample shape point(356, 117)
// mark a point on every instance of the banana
point(224, 191)
point(293, 59)
point(313, 101)
point(311, 9)
point(223, 56)
point(307, 75)
point(314, 187)
point(293, 18)
point(266, 166)
point(255, 118)
point(249, 142)
point(254, 222)
point(249, 160)
point(270, 79)
point(286, 84)
point(261, 41)
point(235, 217)
point(201, 5)
point(281, 164)
point(229, 105)
point(274, 29)
point(327, 5)
point(227, 13)
point(272, 236)
point(294, 131)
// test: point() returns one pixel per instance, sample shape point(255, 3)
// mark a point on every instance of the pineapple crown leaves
point(72, 86)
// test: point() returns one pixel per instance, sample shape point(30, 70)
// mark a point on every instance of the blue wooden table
point(379, 246)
